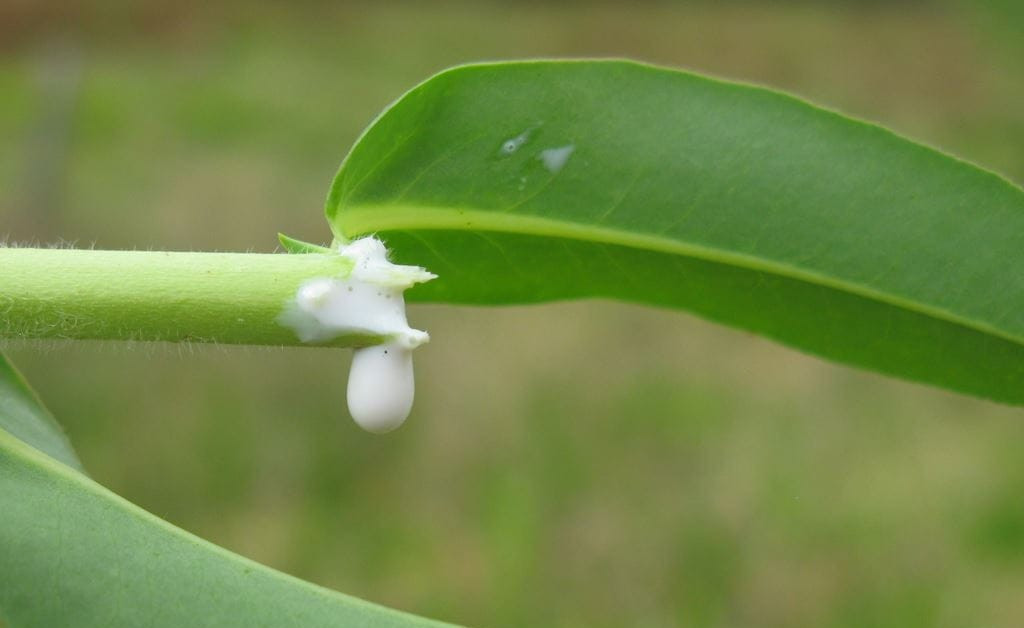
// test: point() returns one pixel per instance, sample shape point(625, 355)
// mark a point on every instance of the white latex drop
point(380, 387)
point(369, 301)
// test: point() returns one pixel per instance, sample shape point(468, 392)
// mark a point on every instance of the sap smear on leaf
point(555, 158)
point(513, 144)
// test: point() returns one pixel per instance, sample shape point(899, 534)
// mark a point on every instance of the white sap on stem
point(367, 302)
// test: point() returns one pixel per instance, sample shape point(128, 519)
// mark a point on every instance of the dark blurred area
point(574, 464)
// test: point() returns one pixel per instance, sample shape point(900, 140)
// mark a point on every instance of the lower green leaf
point(25, 417)
point(72, 553)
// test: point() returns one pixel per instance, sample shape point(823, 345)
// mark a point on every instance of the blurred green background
point(576, 464)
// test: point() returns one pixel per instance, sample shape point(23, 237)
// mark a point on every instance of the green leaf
point(74, 554)
point(24, 417)
point(532, 181)
point(299, 247)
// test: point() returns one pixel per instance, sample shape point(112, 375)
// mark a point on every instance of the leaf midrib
point(362, 219)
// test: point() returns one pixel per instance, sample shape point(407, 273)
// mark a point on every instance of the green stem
point(144, 295)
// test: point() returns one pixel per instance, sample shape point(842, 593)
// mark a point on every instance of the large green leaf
point(74, 554)
point(533, 181)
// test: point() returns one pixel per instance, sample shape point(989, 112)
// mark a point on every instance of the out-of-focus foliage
point(583, 464)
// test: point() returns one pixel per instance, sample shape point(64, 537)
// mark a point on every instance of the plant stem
point(232, 298)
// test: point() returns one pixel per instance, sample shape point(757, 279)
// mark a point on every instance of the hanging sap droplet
point(381, 387)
